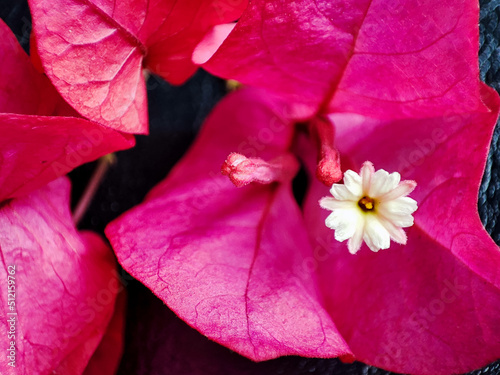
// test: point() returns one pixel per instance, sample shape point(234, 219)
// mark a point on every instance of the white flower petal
point(399, 206)
point(366, 173)
point(344, 222)
point(355, 242)
point(403, 221)
point(340, 192)
point(352, 181)
point(375, 235)
point(332, 204)
point(397, 234)
point(383, 182)
point(404, 188)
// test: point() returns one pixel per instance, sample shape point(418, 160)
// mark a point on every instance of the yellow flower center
point(366, 204)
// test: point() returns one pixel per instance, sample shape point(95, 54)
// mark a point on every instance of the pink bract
point(222, 258)
point(65, 284)
point(242, 267)
point(108, 354)
point(429, 307)
point(94, 51)
point(41, 137)
point(385, 60)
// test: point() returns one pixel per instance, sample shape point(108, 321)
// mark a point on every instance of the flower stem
point(103, 165)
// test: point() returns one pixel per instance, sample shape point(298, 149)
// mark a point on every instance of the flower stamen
point(328, 169)
point(366, 204)
point(242, 170)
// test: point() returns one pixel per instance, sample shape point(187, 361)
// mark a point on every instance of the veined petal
point(199, 276)
point(97, 65)
point(447, 274)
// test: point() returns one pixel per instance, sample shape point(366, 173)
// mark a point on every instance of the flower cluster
point(332, 87)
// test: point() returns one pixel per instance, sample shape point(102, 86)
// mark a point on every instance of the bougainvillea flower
point(94, 51)
point(223, 258)
point(430, 306)
point(242, 266)
point(42, 137)
point(371, 57)
point(64, 285)
point(371, 207)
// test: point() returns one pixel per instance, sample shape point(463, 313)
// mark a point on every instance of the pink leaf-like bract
point(108, 354)
point(65, 284)
point(430, 307)
point(385, 60)
point(93, 51)
point(223, 258)
point(41, 140)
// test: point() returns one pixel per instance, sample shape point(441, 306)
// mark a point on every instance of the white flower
point(371, 207)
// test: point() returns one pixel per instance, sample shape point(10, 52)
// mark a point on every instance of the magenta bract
point(65, 284)
point(41, 137)
point(242, 267)
point(371, 57)
point(428, 307)
point(222, 258)
point(94, 51)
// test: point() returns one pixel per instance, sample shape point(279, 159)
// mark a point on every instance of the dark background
point(157, 342)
